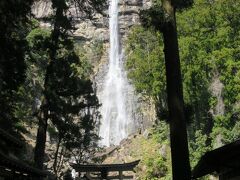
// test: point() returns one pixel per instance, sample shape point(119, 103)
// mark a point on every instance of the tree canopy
point(208, 39)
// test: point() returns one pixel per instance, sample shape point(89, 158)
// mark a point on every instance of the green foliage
point(144, 62)
point(14, 28)
point(42, 76)
point(208, 36)
point(71, 95)
point(36, 58)
point(154, 153)
point(153, 17)
point(209, 51)
point(72, 101)
point(90, 54)
point(217, 33)
point(73, 106)
point(68, 98)
point(156, 17)
point(159, 164)
point(198, 147)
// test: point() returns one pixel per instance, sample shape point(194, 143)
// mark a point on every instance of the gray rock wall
point(88, 32)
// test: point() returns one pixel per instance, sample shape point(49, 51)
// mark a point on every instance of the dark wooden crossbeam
point(111, 177)
point(10, 165)
point(105, 167)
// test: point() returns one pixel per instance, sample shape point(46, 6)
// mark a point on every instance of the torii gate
point(104, 169)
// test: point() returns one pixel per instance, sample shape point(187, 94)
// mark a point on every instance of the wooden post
point(120, 175)
point(104, 174)
point(88, 175)
point(178, 130)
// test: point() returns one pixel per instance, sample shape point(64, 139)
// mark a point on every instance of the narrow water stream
point(116, 117)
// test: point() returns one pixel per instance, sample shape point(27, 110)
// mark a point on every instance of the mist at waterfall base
point(116, 96)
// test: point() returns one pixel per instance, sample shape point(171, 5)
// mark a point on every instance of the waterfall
point(116, 110)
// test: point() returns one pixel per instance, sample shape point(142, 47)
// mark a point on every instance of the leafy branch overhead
point(161, 12)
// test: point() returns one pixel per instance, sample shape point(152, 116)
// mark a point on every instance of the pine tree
point(49, 108)
point(14, 28)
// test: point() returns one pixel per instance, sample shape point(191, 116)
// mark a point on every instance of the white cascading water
point(116, 118)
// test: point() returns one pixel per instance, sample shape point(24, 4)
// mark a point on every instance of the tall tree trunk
point(56, 156)
point(41, 137)
point(178, 133)
point(45, 108)
point(43, 122)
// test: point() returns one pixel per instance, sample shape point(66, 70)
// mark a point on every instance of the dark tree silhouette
point(178, 131)
point(162, 17)
point(13, 30)
point(61, 26)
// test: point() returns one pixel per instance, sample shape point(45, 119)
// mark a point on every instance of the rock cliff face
point(97, 30)
point(87, 33)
